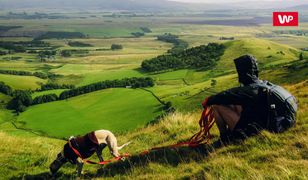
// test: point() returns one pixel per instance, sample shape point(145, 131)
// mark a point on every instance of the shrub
point(116, 46)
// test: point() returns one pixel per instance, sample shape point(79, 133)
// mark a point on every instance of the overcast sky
point(230, 1)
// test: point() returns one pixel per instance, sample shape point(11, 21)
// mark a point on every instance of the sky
point(231, 1)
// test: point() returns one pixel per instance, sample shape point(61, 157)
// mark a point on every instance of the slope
point(267, 52)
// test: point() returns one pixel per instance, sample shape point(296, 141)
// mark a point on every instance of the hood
point(247, 69)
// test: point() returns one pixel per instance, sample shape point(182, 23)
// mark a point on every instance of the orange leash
point(206, 122)
point(101, 163)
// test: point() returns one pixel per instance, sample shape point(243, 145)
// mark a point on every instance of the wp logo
point(285, 18)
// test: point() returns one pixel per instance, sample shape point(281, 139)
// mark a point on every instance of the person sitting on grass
point(85, 146)
point(255, 105)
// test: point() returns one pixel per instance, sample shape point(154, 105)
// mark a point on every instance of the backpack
point(282, 107)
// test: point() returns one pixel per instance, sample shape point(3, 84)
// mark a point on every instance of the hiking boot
point(253, 129)
point(239, 135)
point(225, 138)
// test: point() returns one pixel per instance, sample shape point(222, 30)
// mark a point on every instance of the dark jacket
point(250, 96)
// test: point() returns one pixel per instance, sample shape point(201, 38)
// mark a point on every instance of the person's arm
point(99, 152)
point(236, 96)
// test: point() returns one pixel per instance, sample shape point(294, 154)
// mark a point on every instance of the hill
point(267, 52)
point(285, 154)
point(138, 5)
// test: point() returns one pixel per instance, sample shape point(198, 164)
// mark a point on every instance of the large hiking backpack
point(282, 107)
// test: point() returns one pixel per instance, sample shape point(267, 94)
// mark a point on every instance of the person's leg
point(226, 117)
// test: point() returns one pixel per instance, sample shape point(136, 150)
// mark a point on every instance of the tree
point(66, 53)
point(5, 89)
point(116, 46)
point(301, 56)
point(213, 82)
point(21, 100)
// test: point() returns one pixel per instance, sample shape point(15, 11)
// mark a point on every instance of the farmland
point(78, 52)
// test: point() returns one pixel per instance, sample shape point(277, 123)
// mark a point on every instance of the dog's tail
point(126, 144)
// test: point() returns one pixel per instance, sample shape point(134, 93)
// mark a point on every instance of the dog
point(86, 146)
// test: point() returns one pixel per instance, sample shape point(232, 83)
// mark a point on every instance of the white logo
point(285, 19)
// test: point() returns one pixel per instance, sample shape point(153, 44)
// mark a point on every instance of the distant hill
point(139, 5)
point(91, 4)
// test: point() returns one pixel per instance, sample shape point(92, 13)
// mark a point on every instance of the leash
point(122, 157)
point(206, 122)
point(202, 137)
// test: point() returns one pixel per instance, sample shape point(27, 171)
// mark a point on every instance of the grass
point(179, 74)
point(22, 82)
point(265, 51)
point(109, 75)
point(55, 91)
point(285, 154)
point(98, 110)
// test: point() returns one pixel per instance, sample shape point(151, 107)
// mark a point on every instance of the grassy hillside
point(284, 154)
point(265, 51)
point(22, 82)
point(114, 109)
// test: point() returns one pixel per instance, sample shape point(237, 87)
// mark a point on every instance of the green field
point(40, 93)
point(98, 110)
point(22, 82)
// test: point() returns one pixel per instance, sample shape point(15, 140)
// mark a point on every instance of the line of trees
point(200, 57)
point(61, 35)
point(27, 73)
point(51, 86)
point(116, 47)
point(5, 89)
point(12, 47)
point(70, 52)
point(78, 44)
point(178, 44)
point(2, 53)
point(44, 99)
point(47, 54)
point(21, 46)
point(126, 82)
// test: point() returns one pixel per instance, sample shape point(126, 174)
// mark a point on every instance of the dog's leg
point(99, 152)
point(79, 167)
point(56, 164)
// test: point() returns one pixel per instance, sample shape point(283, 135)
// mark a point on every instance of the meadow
point(129, 113)
point(118, 110)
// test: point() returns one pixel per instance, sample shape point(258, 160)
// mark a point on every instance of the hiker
point(79, 148)
point(243, 111)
